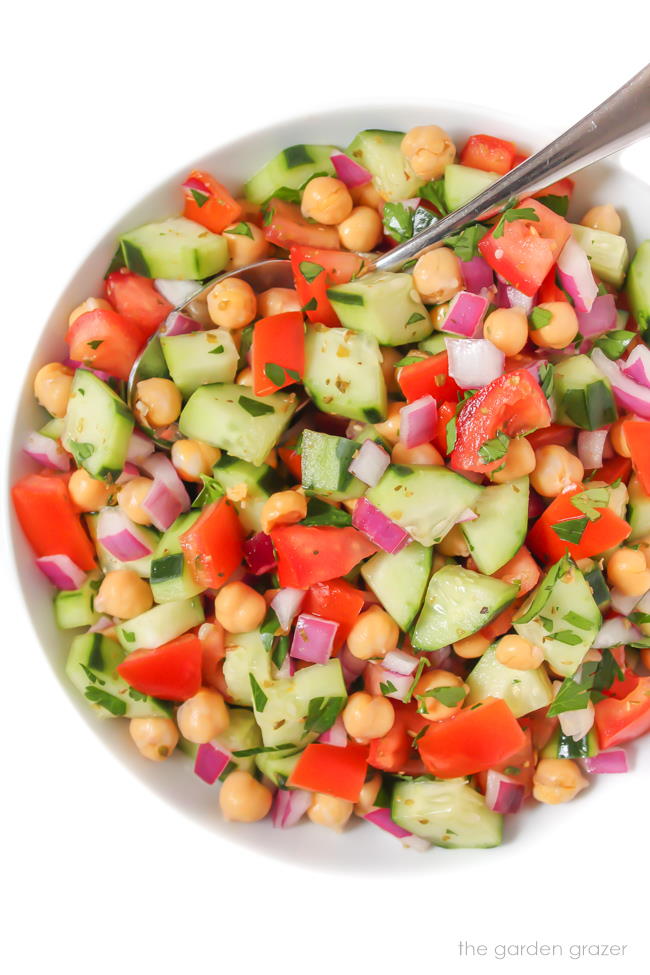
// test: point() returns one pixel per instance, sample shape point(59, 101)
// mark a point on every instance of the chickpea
point(618, 439)
point(627, 571)
point(283, 508)
point(367, 196)
point(471, 646)
point(52, 387)
point(131, 497)
point(239, 608)
point(159, 402)
point(454, 543)
point(507, 328)
point(430, 707)
point(558, 780)
point(389, 358)
point(362, 230)
point(437, 275)
point(203, 716)
point(429, 150)
point(277, 301)
point(155, 738)
point(374, 634)
point(424, 453)
point(555, 469)
point(244, 249)
point(368, 794)
point(326, 200)
point(603, 217)
point(123, 594)
point(518, 653)
point(438, 314)
point(330, 811)
point(191, 458)
point(519, 461)
point(366, 717)
point(245, 377)
point(90, 304)
point(389, 428)
point(561, 329)
point(232, 304)
point(88, 493)
point(243, 799)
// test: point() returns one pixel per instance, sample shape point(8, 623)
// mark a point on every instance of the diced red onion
point(401, 683)
point(503, 794)
point(128, 473)
point(417, 843)
point(591, 444)
point(386, 534)
point(286, 604)
point(614, 632)
point(47, 452)
point(124, 540)
point(536, 505)
point(637, 365)
point(474, 363)
point(162, 506)
point(438, 657)
point(353, 429)
point(313, 638)
point(161, 469)
point(383, 819)
point(576, 276)
point(477, 274)
point(289, 806)
point(193, 183)
point(465, 315)
point(630, 395)
point(418, 421)
point(259, 553)
point(466, 515)
point(351, 666)
point(140, 447)
point(61, 571)
point(74, 364)
point(621, 603)
point(176, 293)
point(509, 297)
point(614, 761)
point(336, 735)
point(400, 662)
point(370, 463)
point(103, 623)
point(211, 760)
point(349, 171)
point(576, 724)
point(599, 319)
point(178, 324)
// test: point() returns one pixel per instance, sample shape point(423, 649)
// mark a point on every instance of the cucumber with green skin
point(638, 286)
point(292, 167)
point(399, 581)
point(380, 152)
point(492, 539)
point(74, 608)
point(259, 480)
point(176, 249)
point(171, 578)
point(564, 746)
point(325, 460)
point(583, 394)
point(159, 625)
point(108, 562)
point(638, 512)
point(447, 812)
point(200, 358)
point(463, 183)
point(607, 253)
point(384, 304)
point(522, 690)
point(343, 373)
point(97, 426)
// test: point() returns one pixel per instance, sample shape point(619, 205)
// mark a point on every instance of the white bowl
point(363, 847)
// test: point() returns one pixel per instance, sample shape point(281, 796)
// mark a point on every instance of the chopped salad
point(395, 562)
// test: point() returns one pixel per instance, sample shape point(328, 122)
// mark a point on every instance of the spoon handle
point(620, 120)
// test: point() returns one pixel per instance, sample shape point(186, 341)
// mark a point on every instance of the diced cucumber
point(246, 654)
point(400, 581)
point(458, 602)
point(53, 428)
point(598, 585)
point(200, 358)
point(433, 344)
point(638, 512)
point(447, 812)
point(233, 418)
point(325, 461)
point(462, 184)
point(638, 285)
point(160, 624)
point(607, 253)
point(98, 426)
point(277, 766)
point(288, 700)
point(108, 562)
point(259, 481)
point(241, 734)
point(343, 373)
point(583, 395)
point(424, 500)
point(564, 746)
point(74, 608)
point(292, 168)
point(369, 432)
point(501, 527)
point(381, 154)
point(384, 304)
point(522, 690)
point(171, 578)
point(176, 248)
point(561, 617)
point(92, 667)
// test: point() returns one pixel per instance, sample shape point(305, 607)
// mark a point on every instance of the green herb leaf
point(278, 375)
point(614, 344)
point(511, 770)
point(286, 193)
point(218, 349)
point(261, 750)
point(259, 697)
point(574, 695)
point(269, 213)
point(95, 344)
point(543, 592)
point(539, 318)
point(321, 513)
point(569, 637)
point(451, 433)
point(434, 192)
point(137, 695)
point(408, 360)
point(269, 628)
point(494, 449)
point(243, 229)
point(310, 271)
point(211, 491)
point(589, 501)
point(465, 244)
point(199, 198)
point(415, 317)
point(512, 214)
point(546, 379)
point(80, 451)
point(416, 676)
point(607, 673)
point(575, 619)
point(128, 635)
point(449, 696)
point(254, 407)
point(92, 677)
point(280, 651)
point(322, 713)
point(639, 618)
point(107, 701)
point(571, 530)
point(558, 204)
point(311, 305)
point(387, 687)
point(398, 221)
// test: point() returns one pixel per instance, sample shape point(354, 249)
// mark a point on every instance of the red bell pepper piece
point(328, 768)
point(555, 433)
point(615, 469)
point(488, 153)
point(637, 435)
point(278, 352)
point(171, 671)
point(50, 520)
point(314, 271)
point(392, 752)
point(336, 600)
point(213, 546)
point(430, 377)
point(621, 721)
point(309, 554)
point(445, 413)
point(291, 459)
point(605, 532)
point(209, 203)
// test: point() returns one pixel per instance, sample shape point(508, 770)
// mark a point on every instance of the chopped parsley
point(80, 451)
point(449, 696)
point(546, 371)
point(540, 318)
point(254, 407)
point(465, 243)
point(105, 700)
point(416, 676)
point(310, 271)
point(211, 491)
point(322, 713)
point(512, 214)
point(387, 687)
point(261, 750)
point(589, 501)
point(575, 695)
point(494, 449)
point(259, 697)
point(243, 229)
point(575, 619)
point(571, 530)
point(200, 198)
point(398, 221)
point(279, 375)
point(558, 204)
point(218, 349)
point(434, 192)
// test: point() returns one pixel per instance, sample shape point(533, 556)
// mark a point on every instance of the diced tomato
point(549, 289)
point(605, 532)
point(430, 377)
point(392, 752)
point(277, 352)
point(623, 686)
point(102, 339)
point(555, 433)
point(540, 725)
point(637, 435)
point(614, 469)
point(527, 249)
point(520, 767)
point(328, 768)
point(621, 721)
point(521, 568)
point(445, 414)
point(310, 554)
point(315, 271)
point(477, 738)
point(500, 624)
point(213, 545)
point(171, 671)
point(561, 187)
point(285, 226)
point(335, 600)
point(50, 520)
point(209, 203)
point(488, 153)
point(513, 403)
point(137, 300)
point(292, 460)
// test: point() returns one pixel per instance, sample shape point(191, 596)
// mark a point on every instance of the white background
point(102, 100)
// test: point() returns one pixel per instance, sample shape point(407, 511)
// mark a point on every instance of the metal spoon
point(618, 122)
